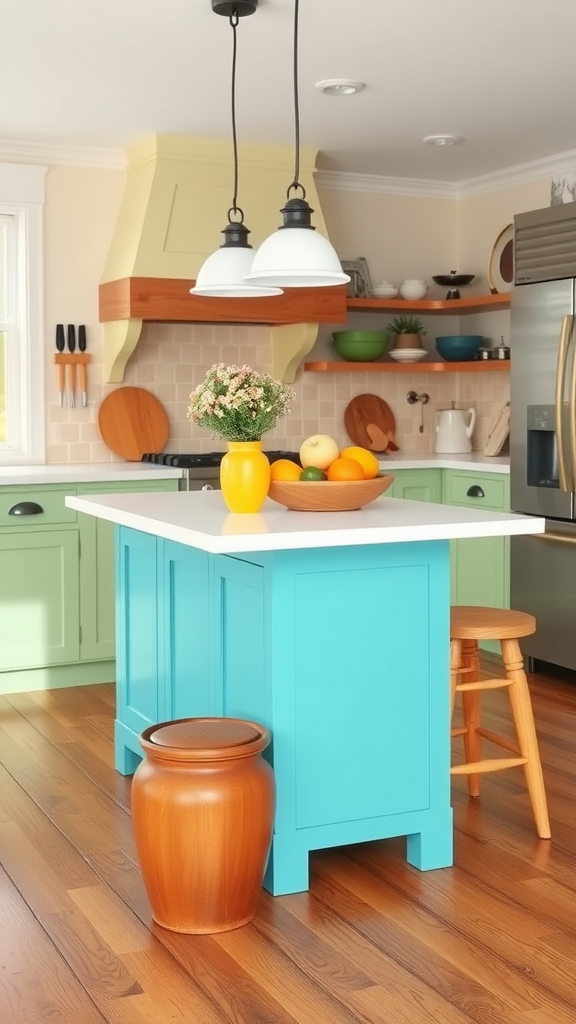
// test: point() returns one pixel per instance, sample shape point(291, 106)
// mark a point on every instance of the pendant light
point(296, 256)
point(223, 273)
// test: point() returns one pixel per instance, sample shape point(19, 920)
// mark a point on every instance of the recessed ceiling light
point(442, 140)
point(339, 86)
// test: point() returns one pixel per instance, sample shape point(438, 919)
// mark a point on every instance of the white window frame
point(22, 197)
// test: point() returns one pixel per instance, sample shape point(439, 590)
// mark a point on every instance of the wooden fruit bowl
point(328, 495)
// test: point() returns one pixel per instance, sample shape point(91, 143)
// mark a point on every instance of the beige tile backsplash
point(171, 359)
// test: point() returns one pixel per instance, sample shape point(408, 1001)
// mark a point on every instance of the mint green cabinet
point(417, 484)
point(57, 586)
point(39, 605)
point(479, 566)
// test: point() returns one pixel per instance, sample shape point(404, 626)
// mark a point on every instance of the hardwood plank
point(406, 998)
point(483, 917)
point(490, 941)
point(443, 960)
point(36, 983)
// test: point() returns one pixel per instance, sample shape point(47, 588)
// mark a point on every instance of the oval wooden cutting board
point(370, 423)
point(132, 421)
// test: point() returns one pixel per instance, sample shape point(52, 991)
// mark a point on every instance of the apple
point(318, 450)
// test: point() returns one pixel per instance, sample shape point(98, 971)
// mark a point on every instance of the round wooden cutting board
point(370, 423)
point(132, 421)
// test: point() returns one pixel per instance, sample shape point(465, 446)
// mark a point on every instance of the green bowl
point(361, 346)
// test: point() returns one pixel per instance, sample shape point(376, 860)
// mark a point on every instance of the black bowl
point(453, 280)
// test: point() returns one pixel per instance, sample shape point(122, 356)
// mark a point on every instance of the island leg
point(288, 869)
point(126, 760)
point(433, 846)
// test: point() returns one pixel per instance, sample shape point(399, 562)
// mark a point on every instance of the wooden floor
point(491, 940)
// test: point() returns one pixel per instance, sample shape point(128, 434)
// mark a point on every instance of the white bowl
point(388, 291)
point(413, 289)
point(407, 355)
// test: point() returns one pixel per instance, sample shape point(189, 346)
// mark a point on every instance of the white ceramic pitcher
point(453, 433)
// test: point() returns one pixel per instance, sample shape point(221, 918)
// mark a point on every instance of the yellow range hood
point(175, 201)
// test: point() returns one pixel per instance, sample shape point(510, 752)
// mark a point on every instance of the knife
point(72, 366)
point(82, 347)
point(61, 366)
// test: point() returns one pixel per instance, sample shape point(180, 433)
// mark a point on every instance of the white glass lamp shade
point(296, 256)
point(223, 273)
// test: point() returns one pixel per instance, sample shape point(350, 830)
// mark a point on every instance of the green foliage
point(406, 325)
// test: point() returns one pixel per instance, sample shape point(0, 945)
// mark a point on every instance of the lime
point(312, 473)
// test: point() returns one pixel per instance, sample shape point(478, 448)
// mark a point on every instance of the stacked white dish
point(407, 355)
point(385, 290)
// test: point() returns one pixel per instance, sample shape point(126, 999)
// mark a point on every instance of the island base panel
point(427, 849)
point(343, 653)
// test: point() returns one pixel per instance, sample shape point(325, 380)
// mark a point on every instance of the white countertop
point(472, 460)
point(200, 519)
point(70, 473)
point(82, 473)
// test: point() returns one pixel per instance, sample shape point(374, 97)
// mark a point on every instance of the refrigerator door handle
point(566, 331)
point(556, 538)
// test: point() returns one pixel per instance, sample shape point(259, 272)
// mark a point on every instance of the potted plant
point(408, 331)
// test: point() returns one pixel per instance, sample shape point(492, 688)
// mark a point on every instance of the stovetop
point(203, 460)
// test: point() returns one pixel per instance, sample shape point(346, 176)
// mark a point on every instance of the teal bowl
point(361, 346)
point(459, 347)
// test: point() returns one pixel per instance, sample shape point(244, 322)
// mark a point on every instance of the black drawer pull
point(26, 508)
point(475, 492)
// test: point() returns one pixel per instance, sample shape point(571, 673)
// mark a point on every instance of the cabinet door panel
point(479, 564)
point(140, 692)
point(186, 628)
point(39, 601)
point(417, 484)
point(97, 589)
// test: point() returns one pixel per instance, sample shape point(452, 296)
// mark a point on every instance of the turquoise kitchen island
point(332, 629)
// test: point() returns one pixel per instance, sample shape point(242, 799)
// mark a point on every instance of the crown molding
point(423, 187)
point(66, 155)
point(508, 177)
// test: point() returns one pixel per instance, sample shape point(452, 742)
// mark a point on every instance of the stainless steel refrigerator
point(543, 428)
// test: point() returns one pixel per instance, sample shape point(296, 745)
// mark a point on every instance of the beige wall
point(401, 236)
point(482, 217)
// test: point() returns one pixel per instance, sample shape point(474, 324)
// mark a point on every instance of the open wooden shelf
point(472, 304)
point(471, 366)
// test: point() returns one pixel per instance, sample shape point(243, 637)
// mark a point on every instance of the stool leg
point(471, 712)
point(521, 704)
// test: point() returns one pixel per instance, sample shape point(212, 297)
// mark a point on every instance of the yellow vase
point(244, 476)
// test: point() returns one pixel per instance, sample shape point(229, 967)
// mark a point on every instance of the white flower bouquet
point(239, 404)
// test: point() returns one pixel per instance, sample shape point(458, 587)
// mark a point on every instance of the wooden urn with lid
point(203, 804)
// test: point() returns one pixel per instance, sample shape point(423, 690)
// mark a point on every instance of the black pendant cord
point(296, 183)
point(234, 209)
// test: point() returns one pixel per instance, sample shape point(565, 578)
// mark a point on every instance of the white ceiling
point(501, 73)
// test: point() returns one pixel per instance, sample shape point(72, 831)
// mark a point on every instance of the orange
point(366, 458)
point(285, 469)
point(345, 469)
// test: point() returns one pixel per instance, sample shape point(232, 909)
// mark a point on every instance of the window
point(22, 430)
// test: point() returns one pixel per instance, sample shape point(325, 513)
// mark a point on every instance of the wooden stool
point(468, 625)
